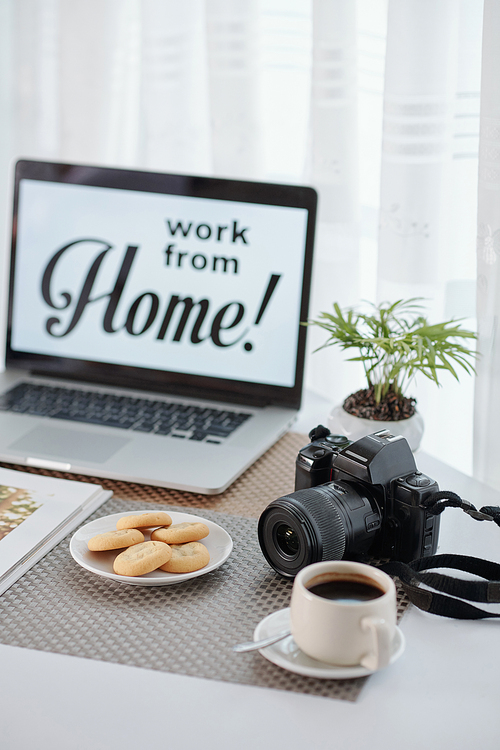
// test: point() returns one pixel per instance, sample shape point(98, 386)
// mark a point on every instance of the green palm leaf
point(395, 342)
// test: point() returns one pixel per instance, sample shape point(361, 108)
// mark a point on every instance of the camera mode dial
point(337, 441)
point(418, 480)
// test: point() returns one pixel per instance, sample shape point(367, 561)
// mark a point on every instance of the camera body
point(357, 500)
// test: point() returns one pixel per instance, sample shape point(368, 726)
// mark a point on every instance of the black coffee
point(346, 591)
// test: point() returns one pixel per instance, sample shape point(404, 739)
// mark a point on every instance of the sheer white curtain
point(374, 102)
point(487, 402)
point(428, 190)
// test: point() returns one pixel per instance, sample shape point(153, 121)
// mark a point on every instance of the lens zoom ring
point(328, 521)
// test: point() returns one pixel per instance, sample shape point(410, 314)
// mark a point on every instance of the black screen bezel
point(160, 381)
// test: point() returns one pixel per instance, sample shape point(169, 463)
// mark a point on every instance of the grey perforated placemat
point(187, 628)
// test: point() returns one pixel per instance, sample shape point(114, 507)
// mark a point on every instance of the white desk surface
point(443, 693)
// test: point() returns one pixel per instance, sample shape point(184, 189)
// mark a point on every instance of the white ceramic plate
point(218, 543)
point(287, 654)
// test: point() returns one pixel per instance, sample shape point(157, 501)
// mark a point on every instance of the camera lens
point(287, 540)
point(330, 522)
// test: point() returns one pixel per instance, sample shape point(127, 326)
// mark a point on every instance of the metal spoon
point(241, 648)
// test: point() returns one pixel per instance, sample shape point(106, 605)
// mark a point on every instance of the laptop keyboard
point(140, 414)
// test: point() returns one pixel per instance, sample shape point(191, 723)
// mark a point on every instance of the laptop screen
point(165, 282)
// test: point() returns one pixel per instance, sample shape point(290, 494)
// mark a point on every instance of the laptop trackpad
point(64, 444)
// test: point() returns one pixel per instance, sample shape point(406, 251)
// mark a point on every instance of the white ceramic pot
point(341, 422)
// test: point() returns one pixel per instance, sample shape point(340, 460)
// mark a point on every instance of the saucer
point(287, 654)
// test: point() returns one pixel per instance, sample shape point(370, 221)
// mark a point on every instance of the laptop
point(154, 323)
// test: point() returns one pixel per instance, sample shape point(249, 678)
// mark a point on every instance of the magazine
point(36, 512)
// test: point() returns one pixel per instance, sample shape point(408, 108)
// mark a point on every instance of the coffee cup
point(344, 613)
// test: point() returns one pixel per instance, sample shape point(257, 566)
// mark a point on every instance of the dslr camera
point(357, 500)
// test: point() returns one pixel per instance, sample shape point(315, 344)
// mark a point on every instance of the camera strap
point(446, 599)
point(486, 591)
point(438, 501)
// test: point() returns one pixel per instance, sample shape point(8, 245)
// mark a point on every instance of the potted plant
point(394, 342)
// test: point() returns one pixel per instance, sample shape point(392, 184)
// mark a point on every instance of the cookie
point(186, 558)
point(141, 558)
point(179, 533)
point(115, 540)
point(155, 518)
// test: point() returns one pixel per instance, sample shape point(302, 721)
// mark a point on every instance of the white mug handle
point(382, 643)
